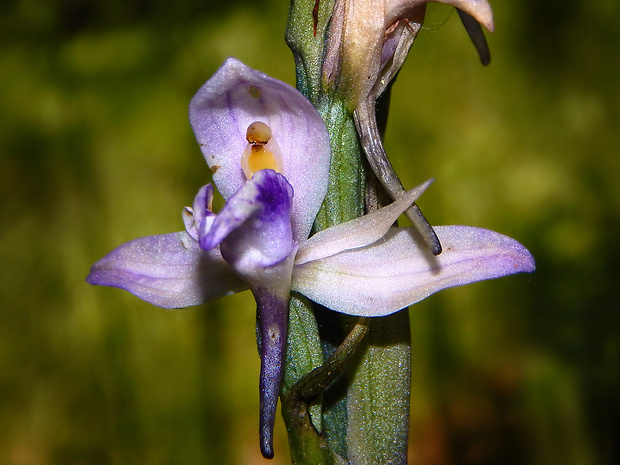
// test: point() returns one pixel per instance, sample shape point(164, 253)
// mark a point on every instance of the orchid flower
point(368, 40)
point(367, 44)
point(269, 152)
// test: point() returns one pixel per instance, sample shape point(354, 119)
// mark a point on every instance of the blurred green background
point(96, 149)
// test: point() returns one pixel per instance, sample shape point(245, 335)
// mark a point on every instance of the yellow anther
point(262, 151)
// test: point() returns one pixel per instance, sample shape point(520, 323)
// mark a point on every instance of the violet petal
point(200, 216)
point(254, 227)
point(168, 270)
point(396, 272)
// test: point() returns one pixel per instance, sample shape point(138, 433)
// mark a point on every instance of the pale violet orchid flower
point(368, 40)
point(259, 240)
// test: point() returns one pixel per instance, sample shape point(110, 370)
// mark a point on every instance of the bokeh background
point(96, 149)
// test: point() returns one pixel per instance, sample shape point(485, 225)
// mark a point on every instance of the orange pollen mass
point(258, 133)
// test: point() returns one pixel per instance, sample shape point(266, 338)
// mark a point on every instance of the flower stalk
point(386, 352)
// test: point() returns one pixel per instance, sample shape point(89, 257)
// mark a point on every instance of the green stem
point(363, 416)
point(308, 446)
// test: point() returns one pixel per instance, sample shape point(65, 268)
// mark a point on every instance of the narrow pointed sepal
point(474, 30)
point(366, 124)
point(358, 232)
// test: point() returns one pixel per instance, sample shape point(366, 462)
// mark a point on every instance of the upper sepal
point(237, 96)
